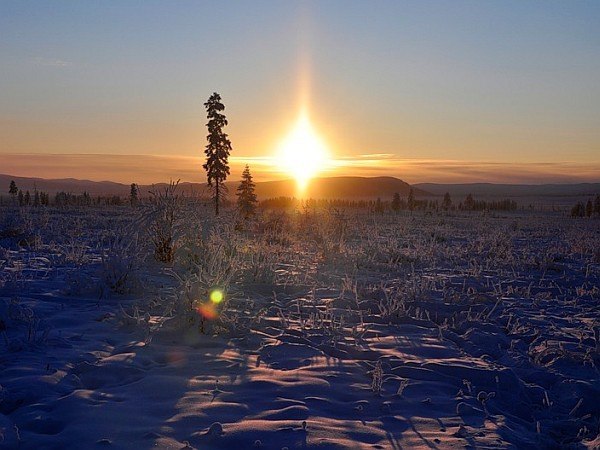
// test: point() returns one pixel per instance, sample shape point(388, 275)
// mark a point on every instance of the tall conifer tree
point(217, 150)
point(246, 196)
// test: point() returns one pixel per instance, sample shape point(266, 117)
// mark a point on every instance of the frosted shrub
point(74, 250)
point(212, 266)
point(391, 303)
point(259, 263)
point(14, 316)
point(120, 259)
point(275, 227)
point(377, 378)
point(164, 219)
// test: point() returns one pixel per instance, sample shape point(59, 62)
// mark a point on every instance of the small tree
point(396, 203)
point(133, 195)
point(589, 208)
point(164, 221)
point(469, 203)
point(379, 206)
point(217, 150)
point(578, 210)
point(27, 198)
point(13, 190)
point(246, 196)
point(36, 198)
point(597, 205)
point(411, 199)
point(447, 202)
point(21, 197)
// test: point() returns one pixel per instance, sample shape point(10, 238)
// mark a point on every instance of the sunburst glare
point(303, 154)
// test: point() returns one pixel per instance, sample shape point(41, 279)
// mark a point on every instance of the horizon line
point(149, 169)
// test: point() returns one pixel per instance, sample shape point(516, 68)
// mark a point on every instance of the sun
point(302, 153)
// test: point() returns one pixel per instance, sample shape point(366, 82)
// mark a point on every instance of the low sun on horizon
point(302, 153)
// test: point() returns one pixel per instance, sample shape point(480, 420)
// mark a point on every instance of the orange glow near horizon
point(148, 169)
point(303, 154)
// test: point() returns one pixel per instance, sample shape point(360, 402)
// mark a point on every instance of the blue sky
point(470, 81)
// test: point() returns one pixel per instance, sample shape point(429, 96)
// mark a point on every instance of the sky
point(458, 91)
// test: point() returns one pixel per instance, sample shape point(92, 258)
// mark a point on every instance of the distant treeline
point(40, 198)
point(18, 197)
point(588, 209)
point(397, 203)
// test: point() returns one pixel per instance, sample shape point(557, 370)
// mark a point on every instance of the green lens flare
point(216, 296)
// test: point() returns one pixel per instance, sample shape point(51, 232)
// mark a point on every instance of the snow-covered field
point(338, 329)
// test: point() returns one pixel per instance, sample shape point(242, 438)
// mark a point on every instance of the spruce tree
point(246, 196)
point(21, 197)
point(597, 205)
point(396, 202)
point(589, 208)
point(13, 191)
point(217, 150)
point(411, 199)
point(469, 202)
point(447, 202)
point(27, 198)
point(133, 195)
point(578, 210)
point(379, 206)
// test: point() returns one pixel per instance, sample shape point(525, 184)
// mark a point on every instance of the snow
point(346, 330)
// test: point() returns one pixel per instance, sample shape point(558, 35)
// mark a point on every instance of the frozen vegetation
point(338, 329)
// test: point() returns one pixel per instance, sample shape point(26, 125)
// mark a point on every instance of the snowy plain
point(339, 329)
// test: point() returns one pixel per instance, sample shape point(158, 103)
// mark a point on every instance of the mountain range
point(334, 187)
point(489, 190)
point(325, 188)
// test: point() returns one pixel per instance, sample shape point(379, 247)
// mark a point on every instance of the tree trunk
point(217, 198)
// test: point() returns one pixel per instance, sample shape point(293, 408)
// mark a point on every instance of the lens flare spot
point(216, 296)
point(208, 311)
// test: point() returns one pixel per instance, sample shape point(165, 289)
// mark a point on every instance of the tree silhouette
point(469, 202)
point(217, 150)
point(379, 206)
point(133, 194)
point(447, 202)
point(246, 196)
point(411, 199)
point(597, 204)
point(396, 204)
point(13, 190)
point(578, 210)
point(589, 208)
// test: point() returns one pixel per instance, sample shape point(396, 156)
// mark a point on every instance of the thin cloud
point(50, 62)
point(158, 168)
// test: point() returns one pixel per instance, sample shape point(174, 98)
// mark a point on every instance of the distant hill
point(340, 187)
point(67, 185)
point(332, 187)
point(328, 188)
point(511, 190)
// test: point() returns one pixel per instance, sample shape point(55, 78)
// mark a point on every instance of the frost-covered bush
point(73, 246)
point(18, 228)
point(20, 325)
point(164, 219)
point(120, 259)
point(275, 227)
point(212, 265)
point(259, 261)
